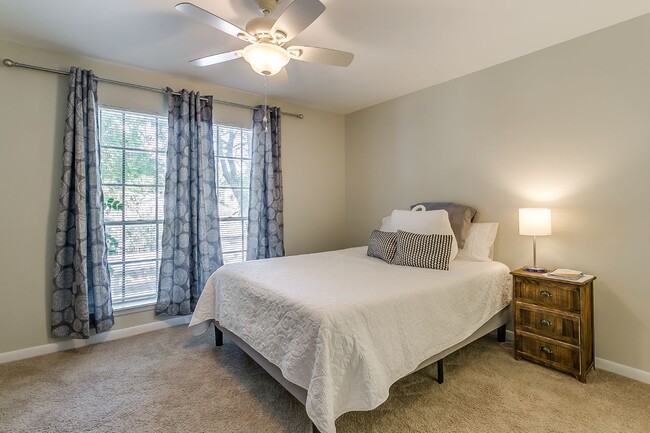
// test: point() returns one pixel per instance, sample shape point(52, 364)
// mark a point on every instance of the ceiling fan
point(266, 36)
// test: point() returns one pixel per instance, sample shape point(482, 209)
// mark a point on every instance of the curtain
point(265, 219)
point(81, 296)
point(191, 244)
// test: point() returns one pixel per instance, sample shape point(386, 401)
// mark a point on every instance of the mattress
point(346, 326)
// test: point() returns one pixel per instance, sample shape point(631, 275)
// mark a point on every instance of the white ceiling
point(400, 46)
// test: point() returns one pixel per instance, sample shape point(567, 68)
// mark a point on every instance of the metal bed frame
point(497, 322)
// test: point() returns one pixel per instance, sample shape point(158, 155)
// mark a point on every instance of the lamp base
point(534, 269)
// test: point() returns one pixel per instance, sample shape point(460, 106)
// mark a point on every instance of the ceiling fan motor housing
point(260, 27)
point(267, 6)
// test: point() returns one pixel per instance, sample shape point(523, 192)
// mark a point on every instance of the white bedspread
point(345, 326)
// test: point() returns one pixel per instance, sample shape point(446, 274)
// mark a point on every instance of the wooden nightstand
point(554, 322)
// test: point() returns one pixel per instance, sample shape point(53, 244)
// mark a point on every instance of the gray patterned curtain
point(265, 218)
point(191, 244)
point(81, 296)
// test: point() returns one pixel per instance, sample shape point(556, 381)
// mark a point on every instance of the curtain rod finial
point(8, 62)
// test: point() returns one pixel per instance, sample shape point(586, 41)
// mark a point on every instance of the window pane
point(111, 194)
point(117, 282)
point(229, 142)
point(140, 168)
point(111, 130)
point(115, 242)
point(139, 203)
point(140, 280)
point(233, 257)
point(231, 236)
point(140, 242)
point(162, 162)
point(111, 166)
point(230, 172)
point(246, 173)
point(229, 202)
point(140, 131)
point(162, 134)
point(247, 139)
point(161, 204)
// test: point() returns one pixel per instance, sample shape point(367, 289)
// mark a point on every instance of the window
point(133, 155)
point(233, 161)
point(133, 180)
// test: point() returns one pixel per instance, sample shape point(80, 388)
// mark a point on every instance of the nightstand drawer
point(539, 321)
point(564, 297)
point(557, 355)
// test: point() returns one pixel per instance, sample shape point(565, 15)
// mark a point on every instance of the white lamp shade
point(265, 58)
point(534, 221)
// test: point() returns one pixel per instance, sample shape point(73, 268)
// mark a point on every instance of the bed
point(337, 329)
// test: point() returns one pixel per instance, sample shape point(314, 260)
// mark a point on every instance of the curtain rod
point(10, 63)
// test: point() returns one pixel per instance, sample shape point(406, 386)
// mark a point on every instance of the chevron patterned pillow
point(423, 251)
point(382, 245)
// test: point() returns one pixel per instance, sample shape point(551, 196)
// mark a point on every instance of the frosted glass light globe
point(266, 58)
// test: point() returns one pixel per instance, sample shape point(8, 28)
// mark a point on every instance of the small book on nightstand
point(566, 274)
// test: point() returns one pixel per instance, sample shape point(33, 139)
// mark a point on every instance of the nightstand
point(554, 322)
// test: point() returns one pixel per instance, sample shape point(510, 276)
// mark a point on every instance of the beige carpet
point(167, 381)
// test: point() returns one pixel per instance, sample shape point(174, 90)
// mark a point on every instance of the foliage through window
point(233, 160)
point(133, 155)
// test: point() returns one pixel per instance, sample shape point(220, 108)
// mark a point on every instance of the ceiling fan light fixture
point(265, 58)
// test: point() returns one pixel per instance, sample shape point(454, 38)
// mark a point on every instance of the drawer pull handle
point(545, 322)
point(546, 350)
point(545, 294)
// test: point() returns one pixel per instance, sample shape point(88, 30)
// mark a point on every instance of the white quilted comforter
point(345, 326)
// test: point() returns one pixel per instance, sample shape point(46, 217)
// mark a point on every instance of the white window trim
point(133, 307)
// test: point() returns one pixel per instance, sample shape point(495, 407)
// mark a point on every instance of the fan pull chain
point(265, 120)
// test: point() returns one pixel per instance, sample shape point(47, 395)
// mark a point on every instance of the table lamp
point(534, 222)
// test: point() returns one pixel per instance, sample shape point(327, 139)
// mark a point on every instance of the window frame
point(158, 221)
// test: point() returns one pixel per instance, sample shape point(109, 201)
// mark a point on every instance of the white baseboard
point(623, 370)
point(94, 339)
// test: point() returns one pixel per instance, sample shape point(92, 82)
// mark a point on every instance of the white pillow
point(385, 225)
point(479, 243)
point(385, 221)
point(424, 223)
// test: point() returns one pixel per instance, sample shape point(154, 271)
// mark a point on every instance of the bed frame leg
point(218, 337)
point(314, 429)
point(441, 375)
point(501, 333)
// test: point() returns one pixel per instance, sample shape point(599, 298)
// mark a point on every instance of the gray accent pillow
point(423, 251)
point(382, 245)
point(460, 217)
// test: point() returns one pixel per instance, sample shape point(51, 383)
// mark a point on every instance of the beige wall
point(566, 128)
point(32, 110)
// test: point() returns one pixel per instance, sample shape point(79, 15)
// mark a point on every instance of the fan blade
point(323, 56)
point(217, 58)
point(297, 17)
point(211, 20)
